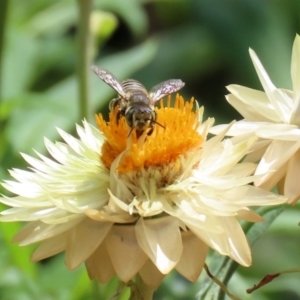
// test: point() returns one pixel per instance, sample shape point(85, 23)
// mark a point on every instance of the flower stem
point(84, 56)
point(3, 18)
point(95, 290)
point(140, 291)
point(220, 284)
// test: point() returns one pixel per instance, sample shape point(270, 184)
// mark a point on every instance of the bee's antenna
point(130, 131)
point(159, 124)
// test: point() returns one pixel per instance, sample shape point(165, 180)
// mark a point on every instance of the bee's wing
point(110, 79)
point(165, 88)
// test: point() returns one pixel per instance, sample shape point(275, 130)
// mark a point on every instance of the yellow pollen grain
point(162, 147)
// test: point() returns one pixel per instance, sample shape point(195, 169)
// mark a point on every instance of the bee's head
point(140, 117)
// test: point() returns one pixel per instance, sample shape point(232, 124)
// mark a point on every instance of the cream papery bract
point(125, 205)
point(272, 115)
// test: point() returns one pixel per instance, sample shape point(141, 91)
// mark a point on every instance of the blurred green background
point(204, 43)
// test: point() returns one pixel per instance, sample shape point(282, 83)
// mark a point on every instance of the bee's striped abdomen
point(133, 87)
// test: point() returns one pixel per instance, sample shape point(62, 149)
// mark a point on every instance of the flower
point(274, 116)
point(126, 205)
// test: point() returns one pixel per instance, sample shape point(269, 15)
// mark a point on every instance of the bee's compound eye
point(129, 115)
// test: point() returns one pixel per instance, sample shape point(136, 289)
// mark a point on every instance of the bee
point(134, 102)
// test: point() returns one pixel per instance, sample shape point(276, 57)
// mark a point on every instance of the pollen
point(165, 145)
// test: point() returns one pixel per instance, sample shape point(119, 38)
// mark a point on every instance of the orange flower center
point(162, 147)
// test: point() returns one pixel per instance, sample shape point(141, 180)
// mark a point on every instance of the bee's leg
point(151, 129)
point(113, 103)
point(153, 121)
point(120, 113)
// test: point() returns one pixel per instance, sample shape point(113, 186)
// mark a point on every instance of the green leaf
point(82, 286)
point(53, 20)
point(255, 230)
point(131, 11)
point(20, 52)
point(19, 257)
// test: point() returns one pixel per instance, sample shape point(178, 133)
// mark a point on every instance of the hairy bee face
point(140, 117)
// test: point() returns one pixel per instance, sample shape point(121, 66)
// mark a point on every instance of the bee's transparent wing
point(110, 79)
point(165, 88)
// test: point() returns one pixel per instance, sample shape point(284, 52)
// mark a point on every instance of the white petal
point(291, 184)
point(257, 150)
point(279, 100)
point(295, 73)
point(277, 154)
point(206, 126)
point(231, 241)
point(283, 132)
point(205, 226)
point(38, 164)
point(99, 265)
point(117, 185)
point(259, 197)
point(83, 240)
point(126, 255)
point(218, 129)
point(275, 179)
point(17, 201)
point(245, 110)
point(224, 157)
point(26, 231)
point(217, 241)
point(49, 248)
point(190, 215)
point(30, 214)
point(257, 106)
point(193, 256)
point(74, 143)
point(239, 247)
point(30, 190)
point(211, 143)
point(90, 136)
point(79, 147)
point(38, 231)
point(239, 128)
point(249, 216)
point(110, 216)
point(285, 104)
point(242, 170)
point(151, 275)
point(161, 240)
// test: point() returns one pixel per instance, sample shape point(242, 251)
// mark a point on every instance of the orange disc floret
point(163, 146)
point(115, 133)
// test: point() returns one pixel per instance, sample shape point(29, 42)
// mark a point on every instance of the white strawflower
point(145, 206)
point(273, 115)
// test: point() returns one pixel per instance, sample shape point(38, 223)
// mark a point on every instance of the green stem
point(95, 290)
point(84, 56)
point(3, 19)
point(141, 291)
point(3, 16)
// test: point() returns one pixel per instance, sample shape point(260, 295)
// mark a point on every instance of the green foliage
point(203, 44)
